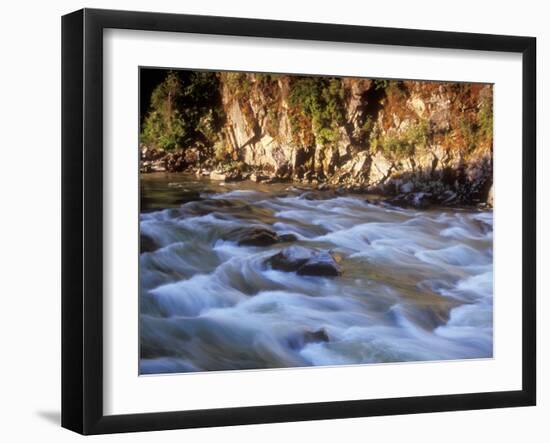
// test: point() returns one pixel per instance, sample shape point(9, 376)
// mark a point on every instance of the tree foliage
point(184, 108)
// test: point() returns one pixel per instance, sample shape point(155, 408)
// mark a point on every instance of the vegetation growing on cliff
point(398, 145)
point(463, 122)
point(317, 105)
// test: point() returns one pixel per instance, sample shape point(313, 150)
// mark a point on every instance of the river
point(415, 285)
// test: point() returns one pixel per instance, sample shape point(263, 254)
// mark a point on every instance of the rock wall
point(387, 136)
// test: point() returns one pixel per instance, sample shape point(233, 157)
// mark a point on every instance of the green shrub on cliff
point(475, 132)
point(184, 108)
point(399, 145)
point(321, 102)
point(485, 120)
point(394, 146)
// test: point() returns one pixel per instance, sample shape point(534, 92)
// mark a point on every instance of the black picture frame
point(82, 218)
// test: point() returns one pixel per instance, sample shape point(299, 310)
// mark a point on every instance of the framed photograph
point(269, 221)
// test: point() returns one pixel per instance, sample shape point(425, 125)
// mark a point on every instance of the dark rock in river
point(147, 244)
point(484, 228)
point(322, 265)
point(290, 259)
point(305, 261)
point(316, 336)
point(299, 341)
point(258, 237)
point(253, 236)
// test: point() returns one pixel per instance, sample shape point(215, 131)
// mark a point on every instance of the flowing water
point(416, 285)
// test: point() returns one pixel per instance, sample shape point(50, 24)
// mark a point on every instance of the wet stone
point(253, 236)
point(299, 341)
point(322, 265)
point(305, 261)
point(316, 336)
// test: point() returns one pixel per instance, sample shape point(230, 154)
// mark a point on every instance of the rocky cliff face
point(377, 135)
point(387, 135)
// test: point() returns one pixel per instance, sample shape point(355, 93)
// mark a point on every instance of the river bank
point(397, 191)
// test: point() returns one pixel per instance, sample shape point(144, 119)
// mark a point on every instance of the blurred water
point(416, 285)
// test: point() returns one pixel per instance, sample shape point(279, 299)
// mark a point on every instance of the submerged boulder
point(252, 236)
point(147, 244)
point(316, 336)
point(305, 261)
point(298, 341)
point(256, 237)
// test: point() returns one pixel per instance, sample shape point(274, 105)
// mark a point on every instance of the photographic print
point(302, 221)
